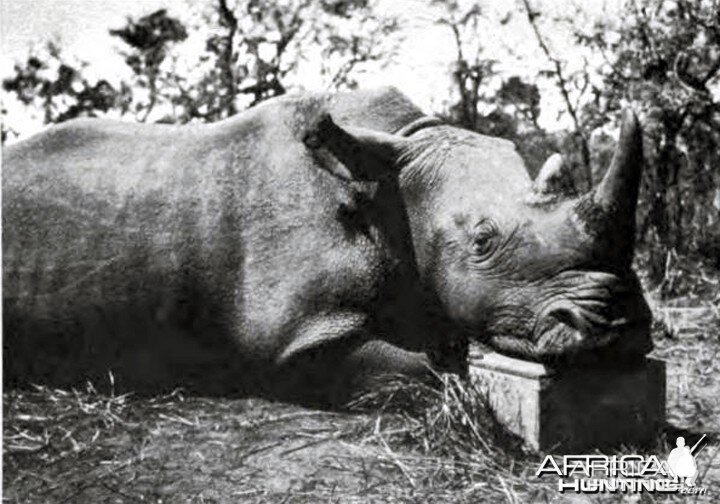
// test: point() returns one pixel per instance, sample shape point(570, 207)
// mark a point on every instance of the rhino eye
point(485, 239)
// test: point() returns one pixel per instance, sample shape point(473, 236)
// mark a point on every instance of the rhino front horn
point(617, 193)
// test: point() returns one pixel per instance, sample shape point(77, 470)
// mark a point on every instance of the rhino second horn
point(618, 190)
point(546, 188)
point(550, 173)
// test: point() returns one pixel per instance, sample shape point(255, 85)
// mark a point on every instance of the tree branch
point(563, 86)
point(230, 23)
point(691, 82)
point(464, 73)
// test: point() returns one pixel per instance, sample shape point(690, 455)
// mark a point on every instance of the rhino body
point(300, 249)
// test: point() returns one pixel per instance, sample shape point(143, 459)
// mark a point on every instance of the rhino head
point(511, 264)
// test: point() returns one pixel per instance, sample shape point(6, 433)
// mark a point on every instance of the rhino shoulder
point(383, 109)
point(501, 145)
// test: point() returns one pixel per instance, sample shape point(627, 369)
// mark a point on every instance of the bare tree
point(470, 71)
point(563, 85)
point(226, 58)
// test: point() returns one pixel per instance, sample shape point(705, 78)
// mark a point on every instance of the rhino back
point(115, 235)
point(89, 197)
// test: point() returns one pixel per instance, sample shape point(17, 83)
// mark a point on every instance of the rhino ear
point(368, 155)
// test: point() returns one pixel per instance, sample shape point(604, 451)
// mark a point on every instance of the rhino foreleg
point(344, 365)
point(377, 359)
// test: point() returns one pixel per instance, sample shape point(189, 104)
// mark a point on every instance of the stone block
point(570, 410)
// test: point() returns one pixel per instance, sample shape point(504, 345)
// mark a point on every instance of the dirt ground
point(68, 446)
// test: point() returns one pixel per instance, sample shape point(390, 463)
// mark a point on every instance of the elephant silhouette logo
point(681, 461)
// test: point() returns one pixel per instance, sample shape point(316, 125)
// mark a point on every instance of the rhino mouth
point(583, 331)
point(626, 341)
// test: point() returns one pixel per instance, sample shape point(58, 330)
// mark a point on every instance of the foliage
point(665, 57)
point(149, 39)
point(253, 50)
point(56, 87)
point(259, 47)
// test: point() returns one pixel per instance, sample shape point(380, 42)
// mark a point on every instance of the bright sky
point(420, 70)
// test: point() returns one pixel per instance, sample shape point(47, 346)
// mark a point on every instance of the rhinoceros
point(304, 248)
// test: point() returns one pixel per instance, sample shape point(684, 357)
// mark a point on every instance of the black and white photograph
point(360, 251)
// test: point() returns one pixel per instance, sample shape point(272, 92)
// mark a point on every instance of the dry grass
point(75, 446)
point(403, 443)
point(417, 445)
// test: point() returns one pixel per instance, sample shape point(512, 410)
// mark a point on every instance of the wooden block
point(570, 410)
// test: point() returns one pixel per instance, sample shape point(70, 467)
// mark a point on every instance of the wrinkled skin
point(303, 250)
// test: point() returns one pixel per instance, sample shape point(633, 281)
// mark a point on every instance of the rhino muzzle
point(601, 320)
point(617, 327)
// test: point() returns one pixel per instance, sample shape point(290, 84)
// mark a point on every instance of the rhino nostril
point(585, 322)
point(620, 322)
point(568, 317)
